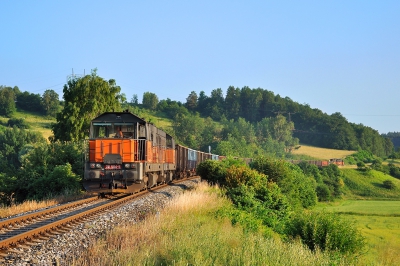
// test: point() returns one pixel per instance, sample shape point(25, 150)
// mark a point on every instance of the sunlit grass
point(36, 122)
point(379, 222)
point(321, 153)
point(32, 205)
point(368, 185)
point(187, 232)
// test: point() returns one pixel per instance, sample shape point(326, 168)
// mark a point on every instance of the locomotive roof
point(123, 117)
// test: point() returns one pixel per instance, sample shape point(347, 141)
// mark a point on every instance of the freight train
point(320, 163)
point(126, 154)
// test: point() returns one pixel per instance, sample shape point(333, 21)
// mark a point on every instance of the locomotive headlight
point(127, 165)
point(98, 165)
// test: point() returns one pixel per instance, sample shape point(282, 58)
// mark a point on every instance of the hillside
point(36, 122)
point(321, 153)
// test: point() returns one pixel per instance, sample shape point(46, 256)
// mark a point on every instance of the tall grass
point(32, 205)
point(187, 232)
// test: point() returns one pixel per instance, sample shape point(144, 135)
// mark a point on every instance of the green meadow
point(379, 222)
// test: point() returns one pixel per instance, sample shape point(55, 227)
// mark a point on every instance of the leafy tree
point(298, 188)
point(135, 100)
point(232, 103)
point(150, 100)
point(50, 103)
point(172, 108)
point(85, 98)
point(37, 176)
point(191, 101)
point(29, 102)
point(186, 128)
point(7, 101)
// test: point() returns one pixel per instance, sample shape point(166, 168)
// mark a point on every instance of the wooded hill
point(311, 126)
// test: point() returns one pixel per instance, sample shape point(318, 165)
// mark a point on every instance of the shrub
point(212, 171)
point(389, 184)
point(323, 192)
point(18, 122)
point(326, 231)
point(295, 185)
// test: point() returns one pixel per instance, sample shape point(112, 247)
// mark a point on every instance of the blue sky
point(337, 56)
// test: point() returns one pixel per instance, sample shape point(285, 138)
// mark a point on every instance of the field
point(321, 153)
point(379, 222)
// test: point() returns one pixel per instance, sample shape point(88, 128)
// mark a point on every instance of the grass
point(187, 232)
point(379, 222)
point(36, 122)
point(321, 153)
point(368, 185)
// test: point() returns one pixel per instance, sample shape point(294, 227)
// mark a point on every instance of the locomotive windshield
point(112, 130)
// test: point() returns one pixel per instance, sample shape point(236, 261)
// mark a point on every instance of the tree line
point(12, 98)
point(311, 125)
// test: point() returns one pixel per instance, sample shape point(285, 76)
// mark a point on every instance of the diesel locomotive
point(126, 154)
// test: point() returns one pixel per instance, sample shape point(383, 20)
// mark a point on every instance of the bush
point(18, 122)
point(212, 171)
point(251, 191)
point(326, 232)
point(323, 192)
point(295, 185)
point(389, 184)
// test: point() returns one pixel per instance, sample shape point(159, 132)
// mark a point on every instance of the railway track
point(32, 227)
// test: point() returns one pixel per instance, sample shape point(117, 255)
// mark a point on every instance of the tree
point(85, 98)
point(150, 100)
point(7, 101)
point(191, 101)
point(232, 103)
point(50, 102)
point(134, 99)
point(30, 102)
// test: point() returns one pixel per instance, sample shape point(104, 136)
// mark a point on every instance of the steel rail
point(5, 223)
point(23, 237)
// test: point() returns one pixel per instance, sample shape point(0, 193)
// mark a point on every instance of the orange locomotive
point(127, 154)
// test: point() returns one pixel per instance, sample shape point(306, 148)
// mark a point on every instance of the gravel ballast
point(62, 248)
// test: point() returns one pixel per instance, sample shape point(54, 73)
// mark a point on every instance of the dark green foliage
point(323, 192)
point(172, 108)
point(389, 184)
point(30, 102)
point(212, 171)
point(329, 180)
point(326, 231)
point(18, 122)
point(298, 188)
point(85, 98)
point(150, 100)
point(42, 163)
point(59, 180)
point(363, 156)
point(394, 170)
point(50, 103)
point(12, 140)
point(313, 127)
point(7, 101)
point(251, 191)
